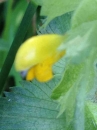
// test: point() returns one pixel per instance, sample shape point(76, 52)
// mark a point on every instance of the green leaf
point(78, 78)
point(3, 51)
point(59, 25)
point(91, 116)
point(30, 108)
point(89, 122)
point(54, 8)
point(86, 12)
point(72, 91)
point(73, 68)
point(2, 57)
point(70, 76)
point(92, 106)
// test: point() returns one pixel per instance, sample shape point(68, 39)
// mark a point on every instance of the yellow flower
point(38, 54)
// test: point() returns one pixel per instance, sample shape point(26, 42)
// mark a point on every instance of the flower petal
point(36, 49)
point(30, 75)
point(43, 72)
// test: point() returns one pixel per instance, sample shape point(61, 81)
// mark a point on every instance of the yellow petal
point(55, 57)
point(43, 72)
point(30, 75)
point(37, 49)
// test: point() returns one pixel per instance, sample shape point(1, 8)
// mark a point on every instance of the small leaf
point(59, 25)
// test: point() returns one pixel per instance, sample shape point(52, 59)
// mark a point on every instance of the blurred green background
point(11, 14)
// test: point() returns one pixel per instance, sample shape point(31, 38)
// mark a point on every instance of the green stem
point(16, 43)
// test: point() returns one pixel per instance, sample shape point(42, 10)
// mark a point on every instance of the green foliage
point(86, 12)
point(13, 18)
point(30, 108)
point(59, 25)
point(71, 74)
point(65, 102)
point(79, 75)
point(16, 43)
point(53, 8)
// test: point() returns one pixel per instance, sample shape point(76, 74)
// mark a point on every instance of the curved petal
point(37, 49)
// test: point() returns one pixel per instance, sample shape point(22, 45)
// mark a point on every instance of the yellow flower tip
point(43, 73)
point(36, 49)
point(30, 75)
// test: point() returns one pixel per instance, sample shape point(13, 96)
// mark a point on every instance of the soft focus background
point(11, 14)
